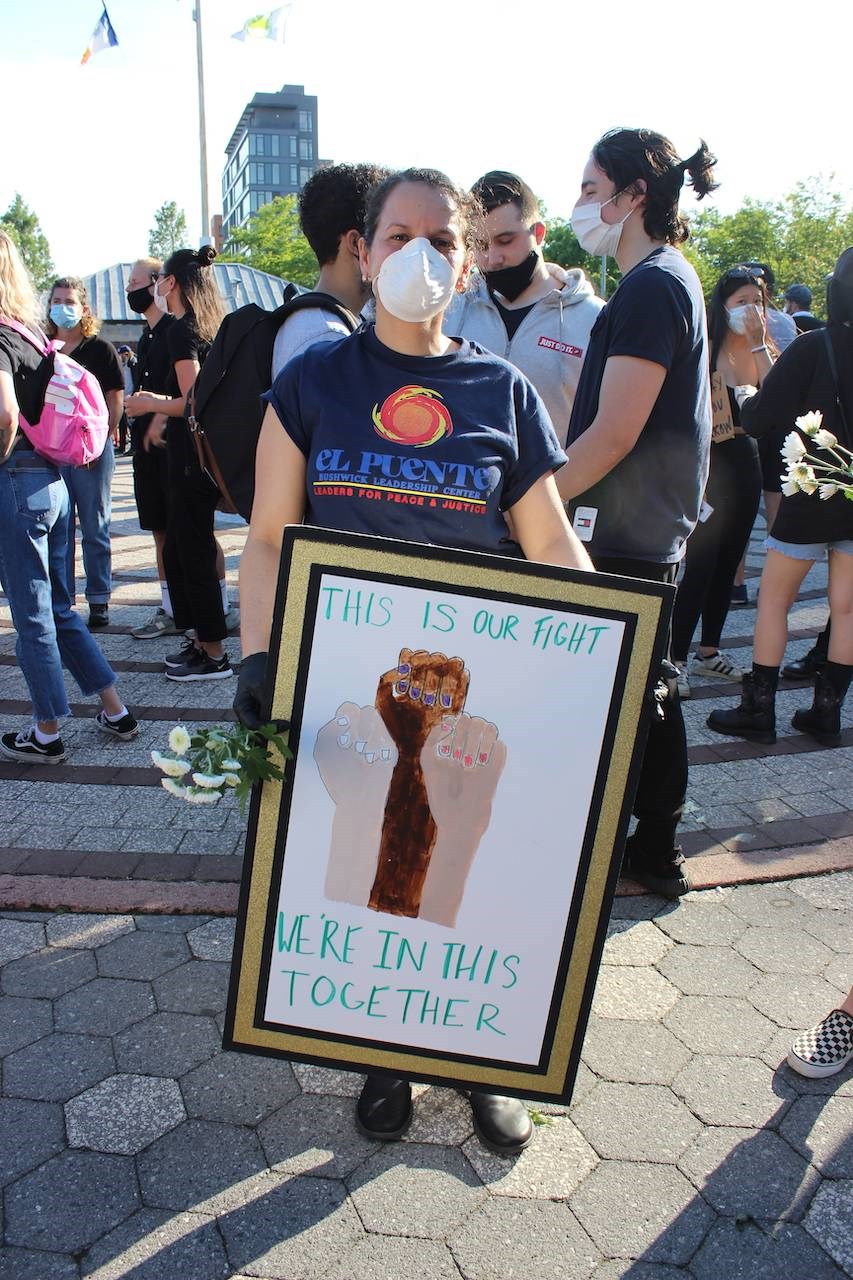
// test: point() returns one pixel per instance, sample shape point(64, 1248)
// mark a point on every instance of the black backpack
point(224, 408)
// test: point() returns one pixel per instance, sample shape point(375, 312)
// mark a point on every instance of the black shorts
point(151, 488)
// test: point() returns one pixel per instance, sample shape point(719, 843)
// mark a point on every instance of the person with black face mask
point(534, 314)
point(150, 472)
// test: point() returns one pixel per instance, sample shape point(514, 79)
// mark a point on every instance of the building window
point(306, 151)
point(294, 176)
point(242, 153)
point(292, 144)
point(304, 174)
point(306, 122)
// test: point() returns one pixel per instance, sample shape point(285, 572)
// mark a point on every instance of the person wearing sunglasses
point(741, 353)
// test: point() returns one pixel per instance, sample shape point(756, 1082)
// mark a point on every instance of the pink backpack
point(74, 421)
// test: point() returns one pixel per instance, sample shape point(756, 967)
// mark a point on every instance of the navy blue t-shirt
point(426, 449)
point(648, 505)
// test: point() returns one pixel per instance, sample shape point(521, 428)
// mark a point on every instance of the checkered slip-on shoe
point(825, 1049)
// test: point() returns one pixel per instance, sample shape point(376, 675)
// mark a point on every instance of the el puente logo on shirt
point(414, 416)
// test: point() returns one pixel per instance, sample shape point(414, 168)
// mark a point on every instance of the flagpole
point(202, 129)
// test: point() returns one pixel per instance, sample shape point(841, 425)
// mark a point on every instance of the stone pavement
point(133, 1147)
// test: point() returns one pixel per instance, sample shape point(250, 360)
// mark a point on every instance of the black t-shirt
point(152, 368)
point(183, 343)
point(648, 505)
point(100, 358)
point(30, 373)
point(511, 316)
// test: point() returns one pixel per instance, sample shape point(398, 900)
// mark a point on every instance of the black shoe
point(822, 721)
point(202, 667)
point(185, 654)
point(384, 1108)
point(740, 595)
point(502, 1124)
point(755, 718)
point(805, 668)
point(663, 873)
point(25, 747)
point(99, 616)
point(125, 728)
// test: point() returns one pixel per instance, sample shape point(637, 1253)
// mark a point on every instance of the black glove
point(250, 690)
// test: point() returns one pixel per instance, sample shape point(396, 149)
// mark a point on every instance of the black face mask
point(139, 300)
point(511, 282)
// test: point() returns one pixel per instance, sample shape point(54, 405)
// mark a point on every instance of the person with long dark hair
point(640, 430)
point(70, 320)
point(186, 288)
point(741, 353)
point(34, 534)
point(416, 251)
point(814, 374)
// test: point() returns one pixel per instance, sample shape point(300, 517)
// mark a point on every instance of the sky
point(465, 86)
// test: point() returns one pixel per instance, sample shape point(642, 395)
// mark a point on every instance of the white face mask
point(160, 302)
point(416, 282)
point(737, 318)
point(593, 233)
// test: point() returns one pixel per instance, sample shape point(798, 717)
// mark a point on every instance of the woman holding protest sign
point(366, 410)
point(741, 352)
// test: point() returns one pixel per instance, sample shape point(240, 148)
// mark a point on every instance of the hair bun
point(206, 254)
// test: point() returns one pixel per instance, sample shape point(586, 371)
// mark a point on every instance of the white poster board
point(423, 877)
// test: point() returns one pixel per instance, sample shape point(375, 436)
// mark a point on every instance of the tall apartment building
point(272, 152)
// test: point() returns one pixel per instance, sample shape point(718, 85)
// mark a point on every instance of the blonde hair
point(89, 325)
point(17, 296)
point(152, 265)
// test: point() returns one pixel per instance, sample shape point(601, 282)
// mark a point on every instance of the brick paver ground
point(132, 1146)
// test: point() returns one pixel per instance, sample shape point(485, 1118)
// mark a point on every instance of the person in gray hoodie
point(535, 314)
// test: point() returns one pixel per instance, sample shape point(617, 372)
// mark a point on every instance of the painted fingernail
point(342, 720)
point(444, 749)
point(404, 668)
point(343, 740)
point(483, 757)
point(360, 745)
point(457, 754)
point(429, 699)
point(385, 753)
point(446, 700)
point(402, 685)
point(370, 756)
point(416, 692)
point(468, 762)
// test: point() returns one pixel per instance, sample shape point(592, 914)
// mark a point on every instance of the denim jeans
point(33, 550)
point(90, 493)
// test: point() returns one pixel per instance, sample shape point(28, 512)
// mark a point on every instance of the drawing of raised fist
point(412, 700)
point(462, 762)
point(356, 758)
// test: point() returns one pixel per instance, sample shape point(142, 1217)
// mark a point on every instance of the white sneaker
point(716, 666)
point(682, 681)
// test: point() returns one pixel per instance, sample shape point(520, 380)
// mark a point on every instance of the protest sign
point(426, 893)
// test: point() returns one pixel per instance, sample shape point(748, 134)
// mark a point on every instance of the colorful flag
point(103, 37)
point(266, 26)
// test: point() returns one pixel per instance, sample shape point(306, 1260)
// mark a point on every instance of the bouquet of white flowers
point(809, 474)
point(204, 764)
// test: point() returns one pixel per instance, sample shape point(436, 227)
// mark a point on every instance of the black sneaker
point(25, 747)
point(99, 616)
point(125, 728)
point(185, 654)
point(202, 667)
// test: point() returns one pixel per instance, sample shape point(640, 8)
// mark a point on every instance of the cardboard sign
point(723, 427)
point(427, 892)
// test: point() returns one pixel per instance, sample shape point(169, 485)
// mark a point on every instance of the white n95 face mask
point(593, 233)
point(416, 282)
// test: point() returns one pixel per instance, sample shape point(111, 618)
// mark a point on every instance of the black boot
point(823, 719)
point(755, 718)
point(502, 1124)
point(807, 667)
point(384, 1109)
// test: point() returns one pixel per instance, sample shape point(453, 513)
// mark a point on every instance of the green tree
point(169, 231)
point(22, 225)
point(272, 241)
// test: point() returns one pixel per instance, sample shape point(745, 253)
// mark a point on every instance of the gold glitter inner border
point(594, 593)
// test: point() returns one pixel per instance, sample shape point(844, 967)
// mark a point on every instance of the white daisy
point(209, 781)
point(810, 423)
point(174, 788)
point(174, 768)
point(179, 740)
point(793, 449)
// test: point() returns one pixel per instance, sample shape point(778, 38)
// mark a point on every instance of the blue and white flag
point(103, 37)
